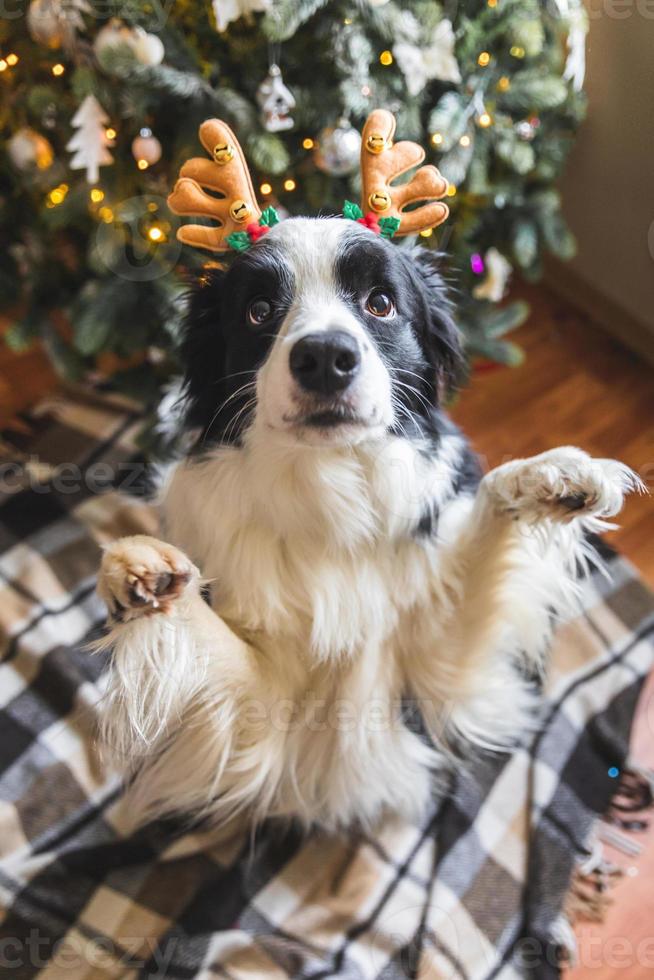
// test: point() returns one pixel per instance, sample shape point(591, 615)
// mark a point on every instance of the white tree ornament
point(575, 65)
point(435, 60)
point(90, 144)
point(276, 101)
point(225, 11)
point(498, 270)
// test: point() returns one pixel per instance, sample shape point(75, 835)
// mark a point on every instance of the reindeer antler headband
point(240, 221)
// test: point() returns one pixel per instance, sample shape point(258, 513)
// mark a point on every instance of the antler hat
point(240, 221)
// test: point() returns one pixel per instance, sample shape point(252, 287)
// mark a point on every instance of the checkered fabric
point(473, 893)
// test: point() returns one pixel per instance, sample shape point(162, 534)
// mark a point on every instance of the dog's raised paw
point(142, 575)
point(561, 484)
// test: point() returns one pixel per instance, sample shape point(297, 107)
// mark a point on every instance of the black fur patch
point(420, 345)
point(221, 351)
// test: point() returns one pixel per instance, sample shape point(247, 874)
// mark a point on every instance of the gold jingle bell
point(375, 143)
point(223, 153)
point(379, 201)
point(239, 211)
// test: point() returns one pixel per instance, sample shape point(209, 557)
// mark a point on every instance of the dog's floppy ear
point(442, 339)
point(203, 349)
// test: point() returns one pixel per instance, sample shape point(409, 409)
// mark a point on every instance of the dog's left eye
point(380, 303)
point(259, 311)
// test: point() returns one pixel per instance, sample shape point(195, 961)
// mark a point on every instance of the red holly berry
point(370, 221)
point(255, 230)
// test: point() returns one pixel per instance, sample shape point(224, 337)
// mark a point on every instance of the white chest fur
point(309, 545)
point(337, 608)
point(313, 560)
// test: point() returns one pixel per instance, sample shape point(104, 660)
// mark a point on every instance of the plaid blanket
point(476, 892)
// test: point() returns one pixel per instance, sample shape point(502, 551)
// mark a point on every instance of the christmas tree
point(492, 90)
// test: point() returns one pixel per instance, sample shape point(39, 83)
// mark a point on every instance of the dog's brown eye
point(259, 311)
point(380, 304)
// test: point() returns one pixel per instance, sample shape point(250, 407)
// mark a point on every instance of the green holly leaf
point(268, 219)
point(352, 211)
point(388, 226)
point(239, 241)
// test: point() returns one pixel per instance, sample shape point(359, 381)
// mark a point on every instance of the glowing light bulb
point(516, 51)
point(289, 185)
point(106, 214)
point(58, 69)
point(155, 234)
point(484, 120)
point(437, 138)
point(97, 195)
point(142, 164)
point(110, 133)
point(3, 64)
point(12, 59)
point(504, 84)
point(484, 59)
point(465, 140)
point(426, 232)
point(308, 143)
point(386, 58)
point(451, 190)
point(266, 188)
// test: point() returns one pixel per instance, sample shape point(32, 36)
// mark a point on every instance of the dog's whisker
point(413, 390)
point(244, 388)
point(232, 427)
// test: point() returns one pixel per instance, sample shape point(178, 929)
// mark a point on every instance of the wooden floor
point(576, 386)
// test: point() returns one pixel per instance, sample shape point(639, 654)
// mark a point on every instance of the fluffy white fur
point(285, 697)
point(286, 700)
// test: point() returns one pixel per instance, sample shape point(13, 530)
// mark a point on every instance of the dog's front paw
point(560, 484)
point(142, 575)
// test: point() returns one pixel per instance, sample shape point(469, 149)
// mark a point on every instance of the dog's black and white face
point(323, 332)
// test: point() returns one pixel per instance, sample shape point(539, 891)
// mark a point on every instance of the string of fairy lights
point(157, 231)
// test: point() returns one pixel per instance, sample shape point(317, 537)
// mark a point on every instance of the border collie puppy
point(356, 559)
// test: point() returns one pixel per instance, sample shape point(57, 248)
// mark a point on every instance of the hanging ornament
point(338, 149)
point(146, 148)
point(276, 101)
point(114, 33)
point(435, 60)
point(49, 116)
point(55, 22)
point(225, 11)
point(28, 150)
point(525, 130)
point(90, 144)
point(575, 65)
point(498, 270)
point(147, 48)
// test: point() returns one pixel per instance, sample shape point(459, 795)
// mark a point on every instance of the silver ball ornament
point(148, 48)
point(338, 150)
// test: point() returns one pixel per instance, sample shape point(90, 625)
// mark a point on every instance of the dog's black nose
point(325, 362)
